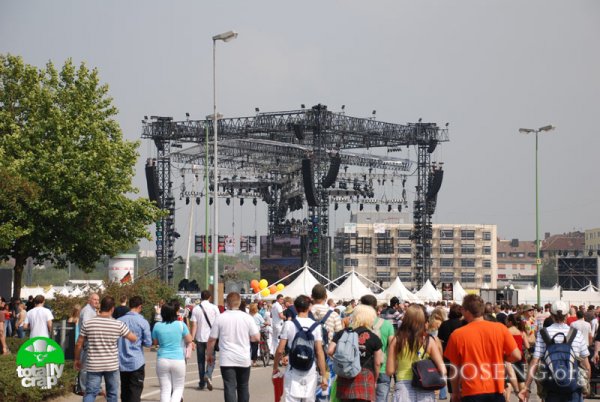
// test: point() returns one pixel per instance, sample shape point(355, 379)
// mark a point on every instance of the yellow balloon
point(280, 286)
point(263, 283)
point(265, 292)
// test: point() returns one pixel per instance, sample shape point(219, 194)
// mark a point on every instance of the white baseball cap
point(559, 307)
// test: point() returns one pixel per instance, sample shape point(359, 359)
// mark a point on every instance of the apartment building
point(384, 251)
point(516, 260)
point(592, 240)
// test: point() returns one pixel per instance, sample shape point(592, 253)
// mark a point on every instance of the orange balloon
point(253, 283)
point(272, 289)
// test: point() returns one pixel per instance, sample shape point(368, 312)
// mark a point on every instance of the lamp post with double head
point(538, 260)
point(225, 37)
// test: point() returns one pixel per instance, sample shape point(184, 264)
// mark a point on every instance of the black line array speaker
point(152, 181)
point(435, 183)
point(6, 280)
point(309, 185)
point(332, 173)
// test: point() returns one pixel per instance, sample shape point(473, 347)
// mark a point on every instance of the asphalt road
point(261, 388)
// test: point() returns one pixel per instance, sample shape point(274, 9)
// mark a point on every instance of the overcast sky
point(486, 67)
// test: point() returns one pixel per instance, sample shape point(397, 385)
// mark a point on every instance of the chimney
point(514, 243)
point(546, 235)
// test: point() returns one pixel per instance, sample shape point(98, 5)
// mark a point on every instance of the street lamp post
point(538, 260)
point(225, 37)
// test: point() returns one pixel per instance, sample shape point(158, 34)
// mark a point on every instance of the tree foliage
point(548, 274)
point(70, 170)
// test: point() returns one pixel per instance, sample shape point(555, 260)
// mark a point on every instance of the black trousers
point(132, 384)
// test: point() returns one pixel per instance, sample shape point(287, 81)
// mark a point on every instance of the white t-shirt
point(38, 318)
point(233, 329)
point(300, 384)
point(584, 328)
point(579, 345)
point(594, 325)
point(275, 310)
point(203, 329)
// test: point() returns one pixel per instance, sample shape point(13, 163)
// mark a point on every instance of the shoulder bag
point(209, 326)
point(426, 374)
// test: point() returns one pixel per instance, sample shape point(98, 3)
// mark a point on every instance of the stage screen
point(279, 256)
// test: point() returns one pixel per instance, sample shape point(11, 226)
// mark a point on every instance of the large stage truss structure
point(292, 158)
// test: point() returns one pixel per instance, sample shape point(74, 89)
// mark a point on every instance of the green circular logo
point(39, 352)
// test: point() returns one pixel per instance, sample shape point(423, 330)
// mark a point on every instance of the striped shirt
point(579, 345)
point(333, 323)
point(102, 335)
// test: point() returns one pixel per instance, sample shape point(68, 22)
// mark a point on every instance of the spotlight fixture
point(343, 107)
point(360, 207)
point(399, 208)
point(302, 106)
point(377, 207)
point(256, 109)
point(254, 201)
point(348, 206)
point(335, 206)
point(389, 208)
point(197, 200)
point(241, 201)
point(228, 201)
point(210, 201)
point(187, 200)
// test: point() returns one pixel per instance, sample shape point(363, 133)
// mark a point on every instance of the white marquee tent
point(397, 289)
point(351, 288)
point(428, 293)
point(458, 292)
point(302, 285)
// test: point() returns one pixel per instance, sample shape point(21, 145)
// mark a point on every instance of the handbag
point(209, 326)
point(426, 374)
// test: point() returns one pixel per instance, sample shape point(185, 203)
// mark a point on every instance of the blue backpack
point(346, 358)
point(302, 352)
point(559, 363)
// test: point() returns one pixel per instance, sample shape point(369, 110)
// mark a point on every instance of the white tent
point(587, 295)
point(351, 288)
point(64, 291)
point(428, 293)
point(398, 290)
point(458, 292)
point(302, 285)
point(76, 292)
point(49, 294)
point(31, 291)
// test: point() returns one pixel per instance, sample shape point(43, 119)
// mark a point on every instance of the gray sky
point(486, 67)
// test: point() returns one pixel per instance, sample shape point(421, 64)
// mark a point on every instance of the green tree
point(70, 197)
point(548, 274)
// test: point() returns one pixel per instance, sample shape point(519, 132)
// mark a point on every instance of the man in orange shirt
point(477, 352)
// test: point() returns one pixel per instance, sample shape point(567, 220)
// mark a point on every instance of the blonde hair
point(363, 316)
point(253, 308)
point(439, 314)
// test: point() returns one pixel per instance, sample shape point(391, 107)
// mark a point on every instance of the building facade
point(384, 251)
point(592, 241)
point(516, 261)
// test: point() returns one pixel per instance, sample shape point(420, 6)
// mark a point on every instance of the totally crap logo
point(40, 363)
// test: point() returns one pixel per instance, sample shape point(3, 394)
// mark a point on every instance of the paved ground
point(261, 389)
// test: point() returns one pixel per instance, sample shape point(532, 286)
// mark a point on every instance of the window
point(385, 245)
point(446, 249)
point(383, 276)
point(487, 278)
point(446, 233)
point(404, 248)
point(404, 234)
point(467, 262)
point(467, 249)
point(351, 262)
point(487, 250)
point(531, 255)
point(363, 245)
point(487, 263)
point(382, 262)
point(446, 276)
point(405, 276)
point(446, 262)
point(467, 234)
point(404, 262)
point(502, 255)
point(467, 277)
point(516, 255)
point(487, 235)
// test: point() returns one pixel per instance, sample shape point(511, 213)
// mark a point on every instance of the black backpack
point(302, 351)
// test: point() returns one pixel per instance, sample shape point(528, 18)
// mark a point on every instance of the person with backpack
point(385, 331)
point(560, 350)
point(304, 337)
point(357, 357)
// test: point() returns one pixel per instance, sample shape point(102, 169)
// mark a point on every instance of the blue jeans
point(204, 370)
point(574, 397)
point(444, 393)
point(235, 383)
point(382, 389)
point(21, 332)
point(94, 381)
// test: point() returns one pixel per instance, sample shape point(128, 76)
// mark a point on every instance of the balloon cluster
point(263, 287)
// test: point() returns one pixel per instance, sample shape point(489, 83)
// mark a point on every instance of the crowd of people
point(483, 352)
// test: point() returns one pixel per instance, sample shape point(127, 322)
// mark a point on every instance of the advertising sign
point(447, 291)
point(40, 363)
